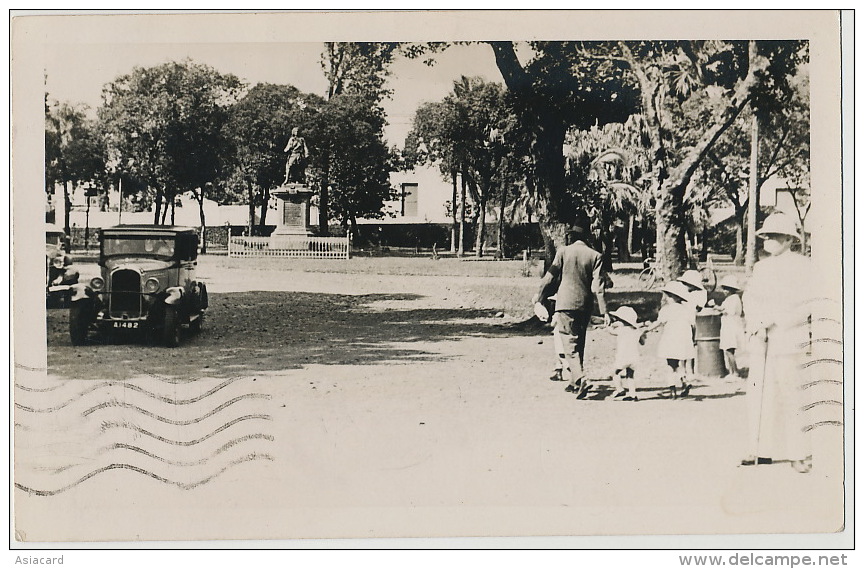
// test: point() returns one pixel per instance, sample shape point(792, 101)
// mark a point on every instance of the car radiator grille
point(125, 294)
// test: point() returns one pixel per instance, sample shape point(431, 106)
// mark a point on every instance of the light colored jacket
point(778, 298)
point(578, 271)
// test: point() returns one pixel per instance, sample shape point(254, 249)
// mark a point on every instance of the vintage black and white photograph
point(428, 274)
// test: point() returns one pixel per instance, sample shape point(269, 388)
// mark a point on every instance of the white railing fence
point(298, 246)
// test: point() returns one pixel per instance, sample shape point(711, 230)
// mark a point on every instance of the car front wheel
point(171, 327)
point(78, 323)
point(195, 325)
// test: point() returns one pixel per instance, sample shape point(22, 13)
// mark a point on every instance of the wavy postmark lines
point(182, 434)
point(822, 367)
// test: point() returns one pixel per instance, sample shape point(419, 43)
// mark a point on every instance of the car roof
point(139, 229)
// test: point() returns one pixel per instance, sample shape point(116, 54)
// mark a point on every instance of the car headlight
point(97, 283)
point(151, 285)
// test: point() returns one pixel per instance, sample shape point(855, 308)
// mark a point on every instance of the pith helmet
point(692, 278)
point(779, 224)
point(729, 281)
point(626, 315)
point(677, 289)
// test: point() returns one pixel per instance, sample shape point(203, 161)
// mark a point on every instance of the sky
point(76, 72)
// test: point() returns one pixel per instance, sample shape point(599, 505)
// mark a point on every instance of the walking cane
point(761, 356)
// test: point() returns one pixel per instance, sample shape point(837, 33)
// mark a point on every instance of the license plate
point(126, 324)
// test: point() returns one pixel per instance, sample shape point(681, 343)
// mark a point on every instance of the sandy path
point(396, 414)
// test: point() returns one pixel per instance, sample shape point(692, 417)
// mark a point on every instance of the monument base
point(294, 217)
point(285, 237)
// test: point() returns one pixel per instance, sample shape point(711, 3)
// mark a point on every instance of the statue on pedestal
point(298, 153)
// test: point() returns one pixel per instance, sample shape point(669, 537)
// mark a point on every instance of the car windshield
point(148, 246)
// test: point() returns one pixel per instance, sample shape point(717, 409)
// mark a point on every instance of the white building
point(422, 196)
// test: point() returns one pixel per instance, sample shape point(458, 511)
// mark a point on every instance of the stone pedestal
point(293, 214)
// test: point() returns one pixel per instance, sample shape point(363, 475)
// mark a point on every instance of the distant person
point(731, 323)
point(295, 166)
point(777, 321)
point(629, 336)
point(61, 272)
point(676, 348)
point(577, 275)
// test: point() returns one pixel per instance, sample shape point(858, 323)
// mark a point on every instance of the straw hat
point(677, 289)
point(779, 224)
point(626, 315)
point(729, 281)
point(692, 278)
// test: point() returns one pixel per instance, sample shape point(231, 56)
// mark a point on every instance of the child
point(561, 364)
point(626, 327)
point(545, 312)
point(678, 318)
point(731, 323)
point(698, 297)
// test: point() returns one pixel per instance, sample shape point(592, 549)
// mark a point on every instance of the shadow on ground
point(252, 332)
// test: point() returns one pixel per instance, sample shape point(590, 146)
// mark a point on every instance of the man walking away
point(577, 275)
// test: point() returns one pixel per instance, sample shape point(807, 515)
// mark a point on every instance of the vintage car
point(147, 285)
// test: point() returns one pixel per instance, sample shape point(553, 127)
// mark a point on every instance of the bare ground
point(356, 403)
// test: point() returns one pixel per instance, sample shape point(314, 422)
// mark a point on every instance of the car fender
point(174, 295)
point(80, 291)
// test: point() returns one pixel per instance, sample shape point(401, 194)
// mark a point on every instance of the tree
point(607, 173)
point(349, 154)
point(691, 93)
point(578, 84)
point(466, 133)
point(73, 150)
point(433, 140)
point(359, 69)
point(782, 108)
point(555, 90)
point(257, 130)
point(164, 127)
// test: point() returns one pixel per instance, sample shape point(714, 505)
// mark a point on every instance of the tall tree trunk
point(203, 222)
point(481, 228)
point(740, 212)
point(500, 237)
point(173, 204)
point(157, 208)
point(265, 207)
point(87, 226)
point(250, 192)
point(628, 246)
point(460, 251)
point(454, 229)
point(671, 254)
point(67, 206)
point(353, 222)
point(753, 203)
point(324, 204)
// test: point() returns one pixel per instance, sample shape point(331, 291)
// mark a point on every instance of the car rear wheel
point(78, 324)
point(171, 327)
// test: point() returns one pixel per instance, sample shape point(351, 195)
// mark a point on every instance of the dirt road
point(361, 405)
